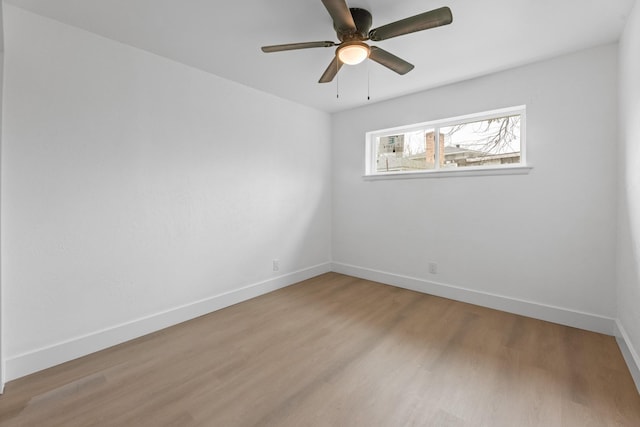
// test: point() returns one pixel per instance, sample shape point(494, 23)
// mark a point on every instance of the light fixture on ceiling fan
point(353, 53)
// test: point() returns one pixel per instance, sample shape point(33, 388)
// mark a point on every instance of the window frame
point(507, 169)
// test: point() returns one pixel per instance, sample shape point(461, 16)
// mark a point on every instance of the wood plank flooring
point(339, 351)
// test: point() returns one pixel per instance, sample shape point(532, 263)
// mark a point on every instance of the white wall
point(547, 237)
point(628, 252)
point(2, 380)
point(133, 185)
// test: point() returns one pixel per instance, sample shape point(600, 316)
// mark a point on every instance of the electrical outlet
point(276, 265)
point(433, 268)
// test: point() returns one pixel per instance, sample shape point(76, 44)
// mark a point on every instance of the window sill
point(476, 171)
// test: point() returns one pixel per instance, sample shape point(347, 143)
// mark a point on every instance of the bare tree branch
point(493, 141)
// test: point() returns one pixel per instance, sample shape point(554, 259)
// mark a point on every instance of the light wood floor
point(339, 351)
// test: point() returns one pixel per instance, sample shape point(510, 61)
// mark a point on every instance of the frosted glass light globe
point(353, 53)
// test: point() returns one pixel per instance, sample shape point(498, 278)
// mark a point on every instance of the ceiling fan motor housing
point(363, 20)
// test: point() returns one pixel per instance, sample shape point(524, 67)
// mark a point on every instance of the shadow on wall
point(302, 213)
point(628, 257)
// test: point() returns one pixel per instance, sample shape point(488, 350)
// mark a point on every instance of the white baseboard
point(560, 315)
point(629, 353)
point(33, 361)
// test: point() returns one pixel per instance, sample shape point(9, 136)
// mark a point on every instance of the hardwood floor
point(339, 351)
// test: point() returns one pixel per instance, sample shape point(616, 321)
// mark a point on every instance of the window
point(480, 142)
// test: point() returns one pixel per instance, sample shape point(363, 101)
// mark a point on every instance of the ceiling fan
point(352, 27)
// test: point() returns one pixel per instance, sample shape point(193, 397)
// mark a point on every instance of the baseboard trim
point(43, 358)
point(46, 357)
point(560, 315)
point(629, 353)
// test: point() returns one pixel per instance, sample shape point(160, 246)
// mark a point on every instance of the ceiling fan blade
point(293, 46)
point(423, 21)
point(341, 15)
point(389, 60)
point(331, 71)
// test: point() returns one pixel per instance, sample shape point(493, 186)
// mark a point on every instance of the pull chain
point(368, 82)
point(337, 80)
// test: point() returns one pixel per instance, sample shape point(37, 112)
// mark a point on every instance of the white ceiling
point(224, 38)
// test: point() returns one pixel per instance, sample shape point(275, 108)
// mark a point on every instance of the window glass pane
point(409, 151)
point(483, 143)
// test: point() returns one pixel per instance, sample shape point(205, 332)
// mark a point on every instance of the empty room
point(320, 213)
